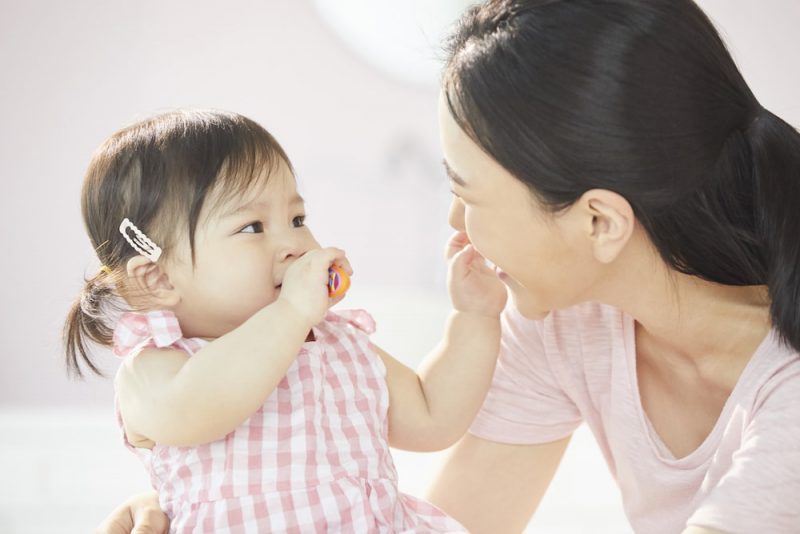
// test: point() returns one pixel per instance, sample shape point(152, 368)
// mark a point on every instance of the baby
point(254, 407)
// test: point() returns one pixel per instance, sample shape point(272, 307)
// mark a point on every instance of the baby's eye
point(253, 228)
point(299, 221)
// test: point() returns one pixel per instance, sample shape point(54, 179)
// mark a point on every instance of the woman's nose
point(456, 215)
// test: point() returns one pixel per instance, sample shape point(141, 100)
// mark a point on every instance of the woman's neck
point(684, 316)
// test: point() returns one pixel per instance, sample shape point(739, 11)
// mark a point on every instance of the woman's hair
point(639, 97)
point(158, 173)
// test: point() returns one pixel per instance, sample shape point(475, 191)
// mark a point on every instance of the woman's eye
point(253, 228)
point(299, 221)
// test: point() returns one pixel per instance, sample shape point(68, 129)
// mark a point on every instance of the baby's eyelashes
point(253, 228)
point(257, 227)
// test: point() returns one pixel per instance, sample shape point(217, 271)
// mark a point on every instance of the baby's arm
point(431, 409)
point(168, 398)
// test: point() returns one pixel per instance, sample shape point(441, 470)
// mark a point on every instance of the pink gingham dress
point(314, 458)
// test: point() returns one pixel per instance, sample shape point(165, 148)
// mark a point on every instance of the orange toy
point(338, 281)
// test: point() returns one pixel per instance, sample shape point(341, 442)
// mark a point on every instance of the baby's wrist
point(292, 312)
point(478, 315)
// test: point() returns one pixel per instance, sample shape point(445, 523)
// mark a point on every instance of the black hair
point(158, 173)
point(640, 97)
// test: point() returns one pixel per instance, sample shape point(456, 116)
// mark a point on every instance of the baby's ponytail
point(86, 322)
point(775, 147)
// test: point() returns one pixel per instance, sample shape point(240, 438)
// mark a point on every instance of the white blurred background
point(349, 88)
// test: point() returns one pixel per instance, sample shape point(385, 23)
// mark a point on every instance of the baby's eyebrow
point(236, 209)
point(452, 174)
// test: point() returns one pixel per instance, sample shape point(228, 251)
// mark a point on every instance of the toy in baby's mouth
point(338, 281)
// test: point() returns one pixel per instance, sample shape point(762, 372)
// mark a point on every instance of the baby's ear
point(149, 283)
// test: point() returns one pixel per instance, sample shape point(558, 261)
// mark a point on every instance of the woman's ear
point(149, 282)
point(610, 222)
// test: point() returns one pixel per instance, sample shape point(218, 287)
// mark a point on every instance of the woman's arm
point(492, 487)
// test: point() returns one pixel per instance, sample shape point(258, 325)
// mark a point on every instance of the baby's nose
point(290, 252)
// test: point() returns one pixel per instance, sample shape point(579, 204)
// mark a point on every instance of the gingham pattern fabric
point(314, 458)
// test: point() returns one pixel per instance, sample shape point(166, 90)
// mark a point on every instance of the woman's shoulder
point(775, 373)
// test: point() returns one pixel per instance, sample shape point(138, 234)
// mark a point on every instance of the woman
point(642, 208)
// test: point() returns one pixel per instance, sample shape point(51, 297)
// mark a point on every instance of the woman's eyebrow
point(452, 174)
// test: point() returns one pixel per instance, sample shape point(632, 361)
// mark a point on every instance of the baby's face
point(242, 250)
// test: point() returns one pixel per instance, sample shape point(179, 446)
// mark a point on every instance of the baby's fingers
point(345, 264)
point(463, 260)
point(455, 244)
point(329, 255)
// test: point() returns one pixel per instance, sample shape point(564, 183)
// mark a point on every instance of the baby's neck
point(310, 336)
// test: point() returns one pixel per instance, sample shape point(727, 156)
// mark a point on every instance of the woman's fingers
point(149, 521)
point(117, 523)
point(141, 514)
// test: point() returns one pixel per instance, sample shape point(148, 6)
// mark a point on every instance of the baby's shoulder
point(149, 366)
point(357, 319)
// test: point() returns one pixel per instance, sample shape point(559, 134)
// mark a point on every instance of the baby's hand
point(473, 286)
point(305, 284)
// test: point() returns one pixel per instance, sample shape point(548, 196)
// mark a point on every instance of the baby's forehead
point(266, 189)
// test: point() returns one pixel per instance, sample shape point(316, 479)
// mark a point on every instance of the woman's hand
point(473, 286)
point(140, 514)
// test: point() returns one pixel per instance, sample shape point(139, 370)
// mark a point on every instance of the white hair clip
point(140, 242)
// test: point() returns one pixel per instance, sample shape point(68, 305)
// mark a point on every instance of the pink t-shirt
point(579, 364)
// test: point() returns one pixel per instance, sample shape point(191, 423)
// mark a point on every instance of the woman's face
point(538, 255)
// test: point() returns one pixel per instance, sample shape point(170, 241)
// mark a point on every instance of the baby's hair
point(157, 173)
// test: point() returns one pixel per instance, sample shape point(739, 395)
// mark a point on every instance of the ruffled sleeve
point(360, 319)
point(137, 330)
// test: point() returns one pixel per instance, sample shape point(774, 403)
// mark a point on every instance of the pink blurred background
point(364, 143)
point(365, 146)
